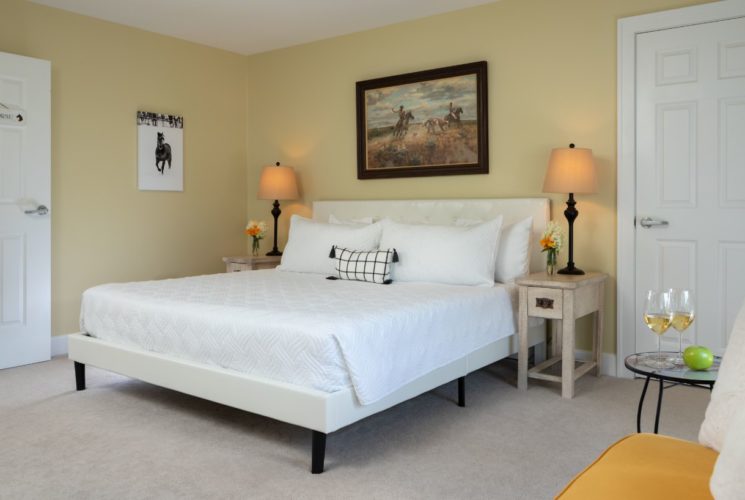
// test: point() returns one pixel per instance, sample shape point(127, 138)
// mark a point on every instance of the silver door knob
point(40, 210)
point(648, 222)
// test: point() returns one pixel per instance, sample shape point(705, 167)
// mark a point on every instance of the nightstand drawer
point(545, 302)
point(234, 267)
point(250, 263)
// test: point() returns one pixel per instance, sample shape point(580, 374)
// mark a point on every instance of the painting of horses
point(160, 142)
point(431, 122)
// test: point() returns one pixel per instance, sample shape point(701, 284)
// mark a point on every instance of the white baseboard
point(609, 361)
point(59, 345)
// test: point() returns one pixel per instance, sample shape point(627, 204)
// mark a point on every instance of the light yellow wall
point(103, 228)
point(552, 80)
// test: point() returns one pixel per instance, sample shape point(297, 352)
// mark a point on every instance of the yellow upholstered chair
point(642, 466)
point(650, 466)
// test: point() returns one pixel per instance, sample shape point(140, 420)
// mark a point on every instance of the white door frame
point(628, 29)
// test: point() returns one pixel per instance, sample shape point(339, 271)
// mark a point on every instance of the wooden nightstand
point(249, 263)
point(563, 298)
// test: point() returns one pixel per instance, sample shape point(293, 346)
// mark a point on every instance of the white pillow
point(513, 255)
point(309, 244)
point(358, 221)
point(443, 254)
point(728, 481)
point(728, 394)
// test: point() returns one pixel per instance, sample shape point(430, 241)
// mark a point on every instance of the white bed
point(272, 342)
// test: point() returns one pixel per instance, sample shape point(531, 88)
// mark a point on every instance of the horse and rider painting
point(427, 123)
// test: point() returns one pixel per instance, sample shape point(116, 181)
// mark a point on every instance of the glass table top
point(638, 363)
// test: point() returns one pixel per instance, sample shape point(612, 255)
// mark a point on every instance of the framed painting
point(426, 123)
point(160, 158)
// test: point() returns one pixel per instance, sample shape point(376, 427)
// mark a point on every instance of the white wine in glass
point(658, 317)
point(681, 304)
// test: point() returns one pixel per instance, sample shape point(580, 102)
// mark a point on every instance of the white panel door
point(25, 245)
point(690, 173)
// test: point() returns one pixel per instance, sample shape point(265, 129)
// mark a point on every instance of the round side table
point(678, 375)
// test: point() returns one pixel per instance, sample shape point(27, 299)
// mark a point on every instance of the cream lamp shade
point(278, 183)
point(571, 170)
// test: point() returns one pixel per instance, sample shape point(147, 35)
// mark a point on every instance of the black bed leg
point(319, 452)
point(79, 376)
point(462, 391)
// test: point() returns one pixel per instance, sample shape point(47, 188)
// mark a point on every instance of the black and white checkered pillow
point(363, 265)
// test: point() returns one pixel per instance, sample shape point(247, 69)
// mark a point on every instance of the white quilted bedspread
point(302, 328)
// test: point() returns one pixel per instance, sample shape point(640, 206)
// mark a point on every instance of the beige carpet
point(126, 439)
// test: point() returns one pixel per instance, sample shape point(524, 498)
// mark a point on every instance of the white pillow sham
point(455, 255)
point(728, 394)
point(513, 254)
point(309, 243)
point(728, 481)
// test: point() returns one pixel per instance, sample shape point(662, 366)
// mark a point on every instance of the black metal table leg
point(641, 404)
point(462, 391)
point(659, 407)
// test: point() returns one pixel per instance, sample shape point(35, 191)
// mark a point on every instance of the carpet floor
point(126, 439)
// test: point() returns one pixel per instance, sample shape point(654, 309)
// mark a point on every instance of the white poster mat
point(155, 172)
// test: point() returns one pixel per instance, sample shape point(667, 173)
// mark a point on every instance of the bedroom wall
point(103, 228)
point(552, 80)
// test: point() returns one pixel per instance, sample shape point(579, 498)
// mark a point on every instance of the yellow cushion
point(646, 466)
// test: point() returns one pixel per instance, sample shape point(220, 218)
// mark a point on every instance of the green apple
point(698, 357)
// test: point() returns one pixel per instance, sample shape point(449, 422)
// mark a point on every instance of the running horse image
point(162, 154)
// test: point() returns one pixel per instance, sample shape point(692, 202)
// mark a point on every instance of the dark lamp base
point(277, 253)
point(571, 270)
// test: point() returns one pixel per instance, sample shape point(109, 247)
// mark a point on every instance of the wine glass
point(682, 307)
point(658, 316)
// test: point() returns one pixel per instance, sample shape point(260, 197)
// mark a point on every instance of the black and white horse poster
point(160, 140)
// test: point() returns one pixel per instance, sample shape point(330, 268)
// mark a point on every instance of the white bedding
point(301, 328)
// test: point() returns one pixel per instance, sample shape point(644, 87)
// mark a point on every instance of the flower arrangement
point(552, 240)
point(256, 230)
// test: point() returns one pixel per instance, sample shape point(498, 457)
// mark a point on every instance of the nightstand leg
point(555, 337)
point(597, 339)
point(522, 328)
point(567, 350)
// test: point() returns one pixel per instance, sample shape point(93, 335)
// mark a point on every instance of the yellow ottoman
point(646, 466)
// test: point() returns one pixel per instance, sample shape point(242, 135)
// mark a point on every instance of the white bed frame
point(320, 411)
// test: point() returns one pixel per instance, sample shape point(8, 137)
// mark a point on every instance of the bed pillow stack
point(471, 252)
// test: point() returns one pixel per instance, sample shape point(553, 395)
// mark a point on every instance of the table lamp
point(277, 183)
point(571, 170)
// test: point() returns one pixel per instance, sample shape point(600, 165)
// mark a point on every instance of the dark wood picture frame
point(414, 147)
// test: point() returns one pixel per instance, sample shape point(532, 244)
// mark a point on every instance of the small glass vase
point(550, 263)
point(255, 247)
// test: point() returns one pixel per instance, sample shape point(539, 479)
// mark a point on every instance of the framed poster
point(160, 157)
point(426, 123)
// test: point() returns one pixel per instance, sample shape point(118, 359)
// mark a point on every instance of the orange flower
point(548, 242)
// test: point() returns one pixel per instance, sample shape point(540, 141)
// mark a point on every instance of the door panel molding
point(628, 29)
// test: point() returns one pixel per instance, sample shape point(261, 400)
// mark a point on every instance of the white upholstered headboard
point(446, 212)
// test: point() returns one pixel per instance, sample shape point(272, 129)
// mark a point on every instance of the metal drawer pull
point(544, 303)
